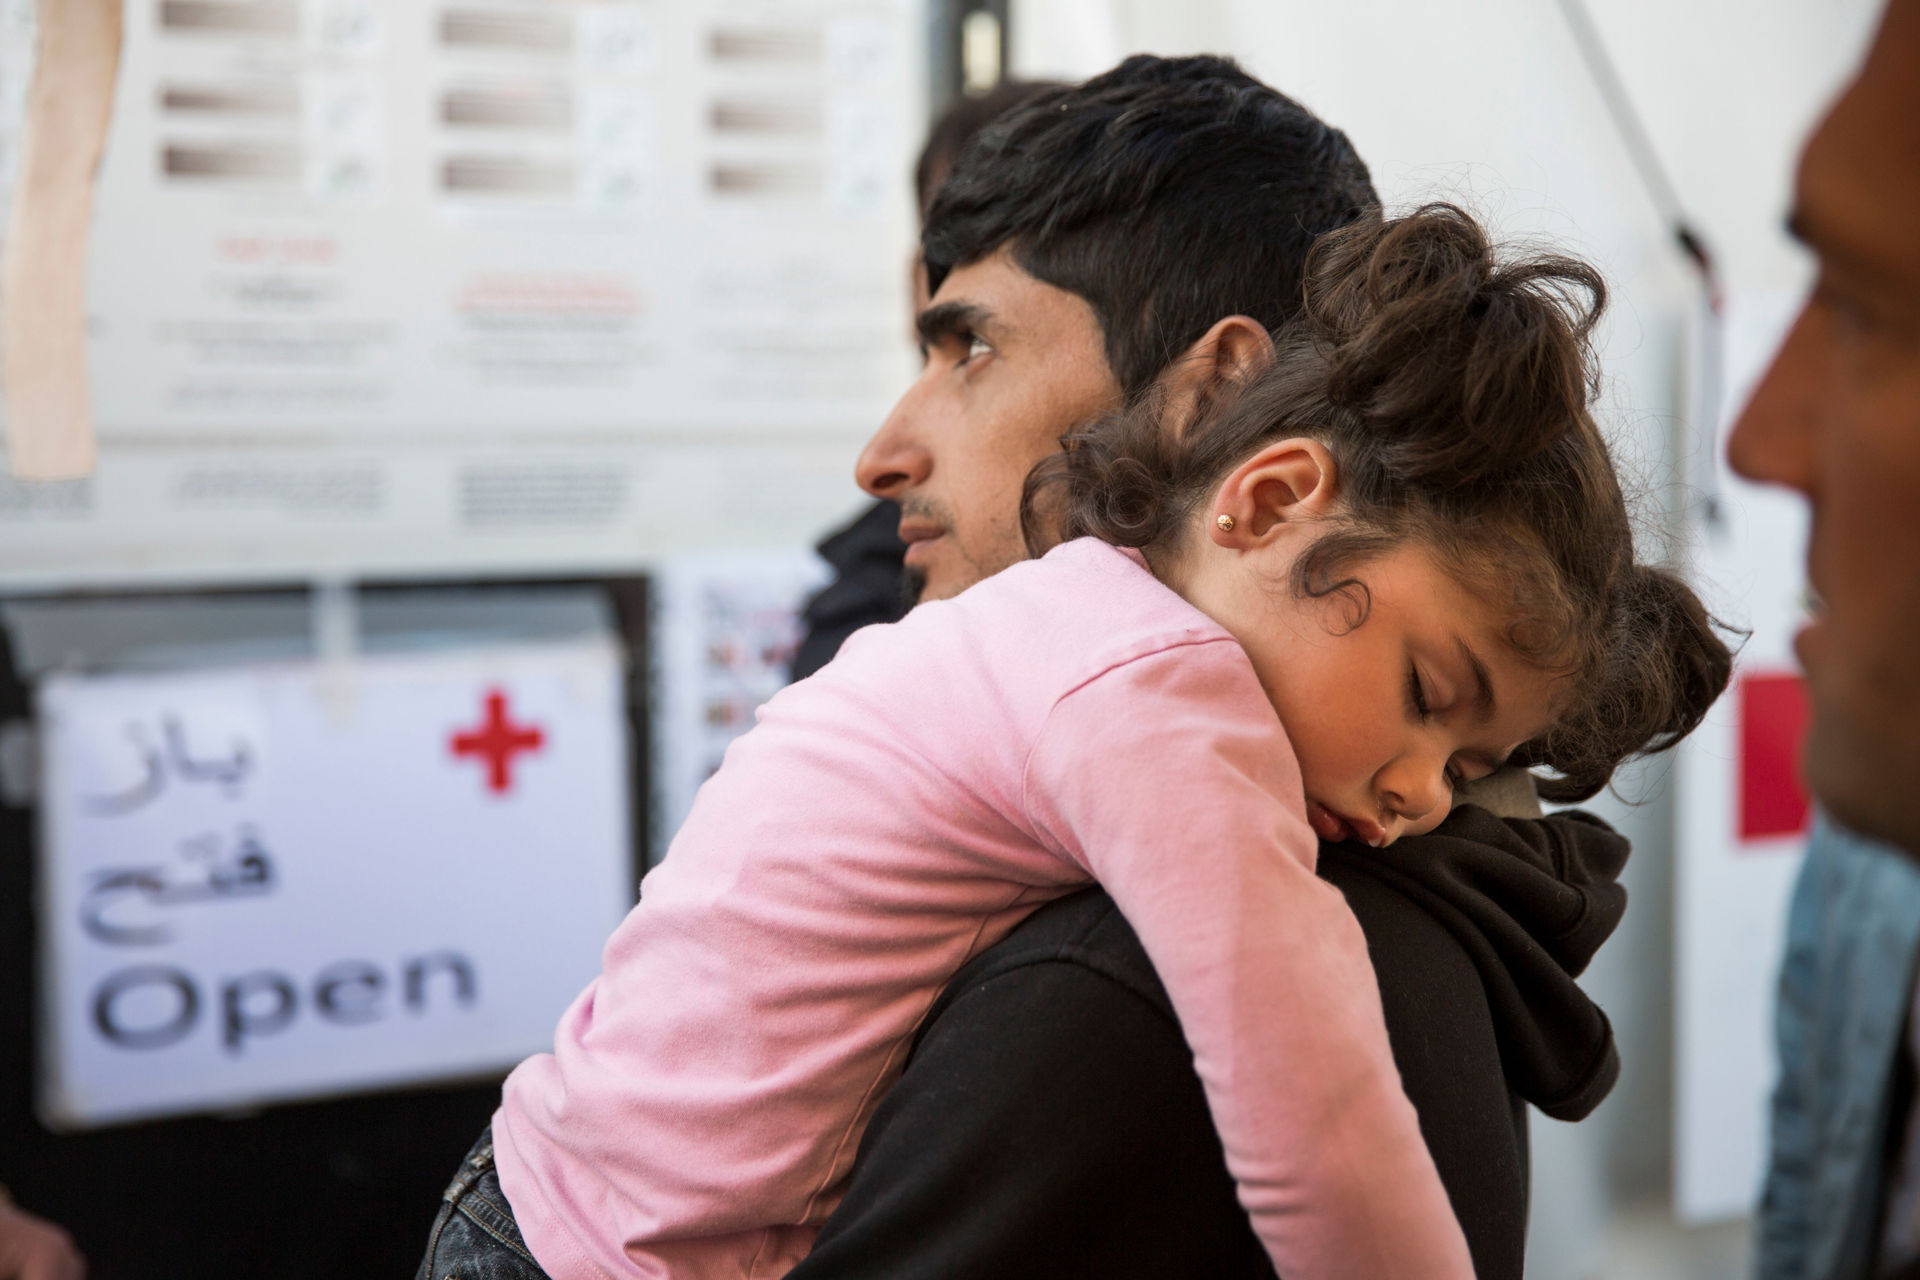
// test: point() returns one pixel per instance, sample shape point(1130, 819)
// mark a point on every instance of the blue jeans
point(475, 1236)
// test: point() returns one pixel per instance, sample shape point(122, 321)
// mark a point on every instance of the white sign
point(381, 284)
point(724, 629)
point(304, 879)
point(1741, 813)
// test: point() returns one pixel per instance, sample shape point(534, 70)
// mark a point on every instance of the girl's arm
point(1083, 1147)
point(1169, 779)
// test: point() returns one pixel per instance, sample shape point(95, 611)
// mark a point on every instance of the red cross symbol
point(497, 741)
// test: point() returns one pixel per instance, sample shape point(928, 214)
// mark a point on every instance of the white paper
point(344, 261)
point(257, 890)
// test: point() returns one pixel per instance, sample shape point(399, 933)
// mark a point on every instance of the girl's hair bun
point(1446, 352)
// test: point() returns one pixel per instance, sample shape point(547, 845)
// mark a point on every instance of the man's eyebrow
point(1483, 694)
point(950, 320)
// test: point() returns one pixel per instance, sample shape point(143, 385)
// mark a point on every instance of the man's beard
point(913, 584)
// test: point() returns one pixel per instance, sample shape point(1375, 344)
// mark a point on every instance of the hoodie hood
point(866, 557)
point(1530, 901)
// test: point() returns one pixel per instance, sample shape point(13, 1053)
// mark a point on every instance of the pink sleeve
point(1171, 781)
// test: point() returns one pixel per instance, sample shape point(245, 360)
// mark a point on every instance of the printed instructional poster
point(1743, 811)
point(307, 879)
point(433, 284)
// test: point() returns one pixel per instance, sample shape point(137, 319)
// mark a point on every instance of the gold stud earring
point(1225, 522)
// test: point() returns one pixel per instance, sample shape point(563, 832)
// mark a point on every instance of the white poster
point(1742, 809)
point(305, 879)
point(451, 284)
point(724, 627)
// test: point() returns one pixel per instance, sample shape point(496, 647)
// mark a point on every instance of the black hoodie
point(1049, 1122)
point(866, 556)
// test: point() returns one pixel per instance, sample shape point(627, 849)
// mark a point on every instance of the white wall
point(1487, 102)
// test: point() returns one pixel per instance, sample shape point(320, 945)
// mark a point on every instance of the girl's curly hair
point(1452, 386)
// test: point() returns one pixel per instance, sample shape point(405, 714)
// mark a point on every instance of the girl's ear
point(1288, 483)
point(1231, 352)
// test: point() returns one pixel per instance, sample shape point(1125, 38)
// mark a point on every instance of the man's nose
point(895, 460)
point(1772, 441)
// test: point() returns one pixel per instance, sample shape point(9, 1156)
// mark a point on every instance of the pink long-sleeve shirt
point(1069, 720)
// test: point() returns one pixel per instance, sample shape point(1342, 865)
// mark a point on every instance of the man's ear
point(1229, 353)
point(1289, 482)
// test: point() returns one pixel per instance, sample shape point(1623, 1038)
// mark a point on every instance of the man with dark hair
point(1148, 230)
point(1147, 193)
point(1082, 244)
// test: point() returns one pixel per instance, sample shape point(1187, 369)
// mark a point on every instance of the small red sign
point(497, 741)
point(1773, 723)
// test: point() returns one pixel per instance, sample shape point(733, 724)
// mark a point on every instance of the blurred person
point(1318, 598)
point(865, 554)
point(31, 1248)
point(1837, 417)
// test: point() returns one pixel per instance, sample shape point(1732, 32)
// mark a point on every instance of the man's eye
point(976, 346)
